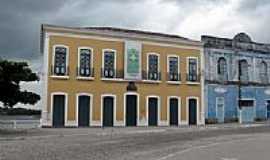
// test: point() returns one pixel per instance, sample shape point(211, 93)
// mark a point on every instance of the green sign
point(132, 60)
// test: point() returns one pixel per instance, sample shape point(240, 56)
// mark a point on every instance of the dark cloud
point(21, 19)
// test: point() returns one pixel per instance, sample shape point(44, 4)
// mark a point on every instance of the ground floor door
point(192, 105)
point(220, 109)
point(268, 109)
point(108, 104)
point(83, 111)
point(173, 111)
point(131, 110)
point(152, 111)
point(58, 111)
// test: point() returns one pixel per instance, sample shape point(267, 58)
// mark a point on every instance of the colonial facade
point(102, 76)
point(236, 79)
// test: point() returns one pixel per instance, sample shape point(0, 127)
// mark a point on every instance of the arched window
point(263, 71)
point(222, 67)
point(243, 70)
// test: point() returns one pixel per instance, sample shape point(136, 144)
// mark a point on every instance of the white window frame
point(187, 68)
point(147, 63)
point(91, 61)
point(179, 109)
point(115, 57)
point(67, 60)
point(90, 105)
point(168, 68)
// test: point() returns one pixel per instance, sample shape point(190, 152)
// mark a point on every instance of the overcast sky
point(20, 20)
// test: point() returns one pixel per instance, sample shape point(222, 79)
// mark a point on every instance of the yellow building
point(102, 76)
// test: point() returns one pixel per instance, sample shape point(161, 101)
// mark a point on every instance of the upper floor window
point(109, 63)
point(173, 68)
point(243, 70)
point(153, 67)
point(192, 69)
point(60, 60)
point(85, 62)
point(222, 68)
point(263, 72)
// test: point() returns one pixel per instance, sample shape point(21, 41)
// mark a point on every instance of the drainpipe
point(239, 91)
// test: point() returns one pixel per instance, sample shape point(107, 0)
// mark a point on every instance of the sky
point(20, 21)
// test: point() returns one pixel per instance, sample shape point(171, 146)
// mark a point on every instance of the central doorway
point(173, 112)
point(192, 108)
point(108, 109)
point(83, 110)
point(152, 111)
point(131, 110)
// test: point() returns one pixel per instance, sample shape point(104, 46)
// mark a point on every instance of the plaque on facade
point(133, 60)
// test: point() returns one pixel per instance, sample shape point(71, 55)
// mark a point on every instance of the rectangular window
point(153, 67)
point(173, 64)
point(192, 70)
point(60, 58)
point(109, 64)
point(85, 63)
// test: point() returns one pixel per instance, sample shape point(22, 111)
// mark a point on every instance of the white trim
point(85, 78)
point(59, 77)
point(114, 107)
point(120, 37)
point(179, 109)
point(147, 64)
point(147, 109)
point(202, 77)
point(90, 105)
point(45, 117)
point(66, 106)
point(197, 109)
point(187, 69)
point(139, 123)
point(168, 68)
point(79, 57)
point(223, 104)
point(115, 57)
point(67, 60)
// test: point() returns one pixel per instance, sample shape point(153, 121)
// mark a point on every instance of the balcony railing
point(59, 71)
point(153, 76)
point(85, 72)
point(112, 73)
point(190, 77)
point(174, 77)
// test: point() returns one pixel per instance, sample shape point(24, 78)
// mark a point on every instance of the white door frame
point(179, 108)
point(114, 107)
point(197, 109)
point(147, 109)
point(90, 105)
point(66, 106)
point(138, 107)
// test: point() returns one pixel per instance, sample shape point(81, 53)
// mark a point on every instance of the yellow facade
point(73, 86)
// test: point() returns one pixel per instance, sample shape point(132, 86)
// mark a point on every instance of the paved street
point(139, 143)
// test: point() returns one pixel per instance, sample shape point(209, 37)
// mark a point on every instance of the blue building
point(237, 85)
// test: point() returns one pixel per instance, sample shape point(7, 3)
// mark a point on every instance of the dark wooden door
point(192, 111)
point(108, 111)
point(84, 111)
point(131, 110)
point(152, 111)
point(174, 111)
point(58, 111)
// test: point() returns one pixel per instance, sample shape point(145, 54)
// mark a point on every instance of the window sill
point(114, 79)
point(59, 77)
point(85, 78)
point(151, 81)
point(193, 83)
point(174, 82)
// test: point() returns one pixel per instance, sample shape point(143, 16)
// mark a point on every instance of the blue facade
point(230, 94)
point(230, 63)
